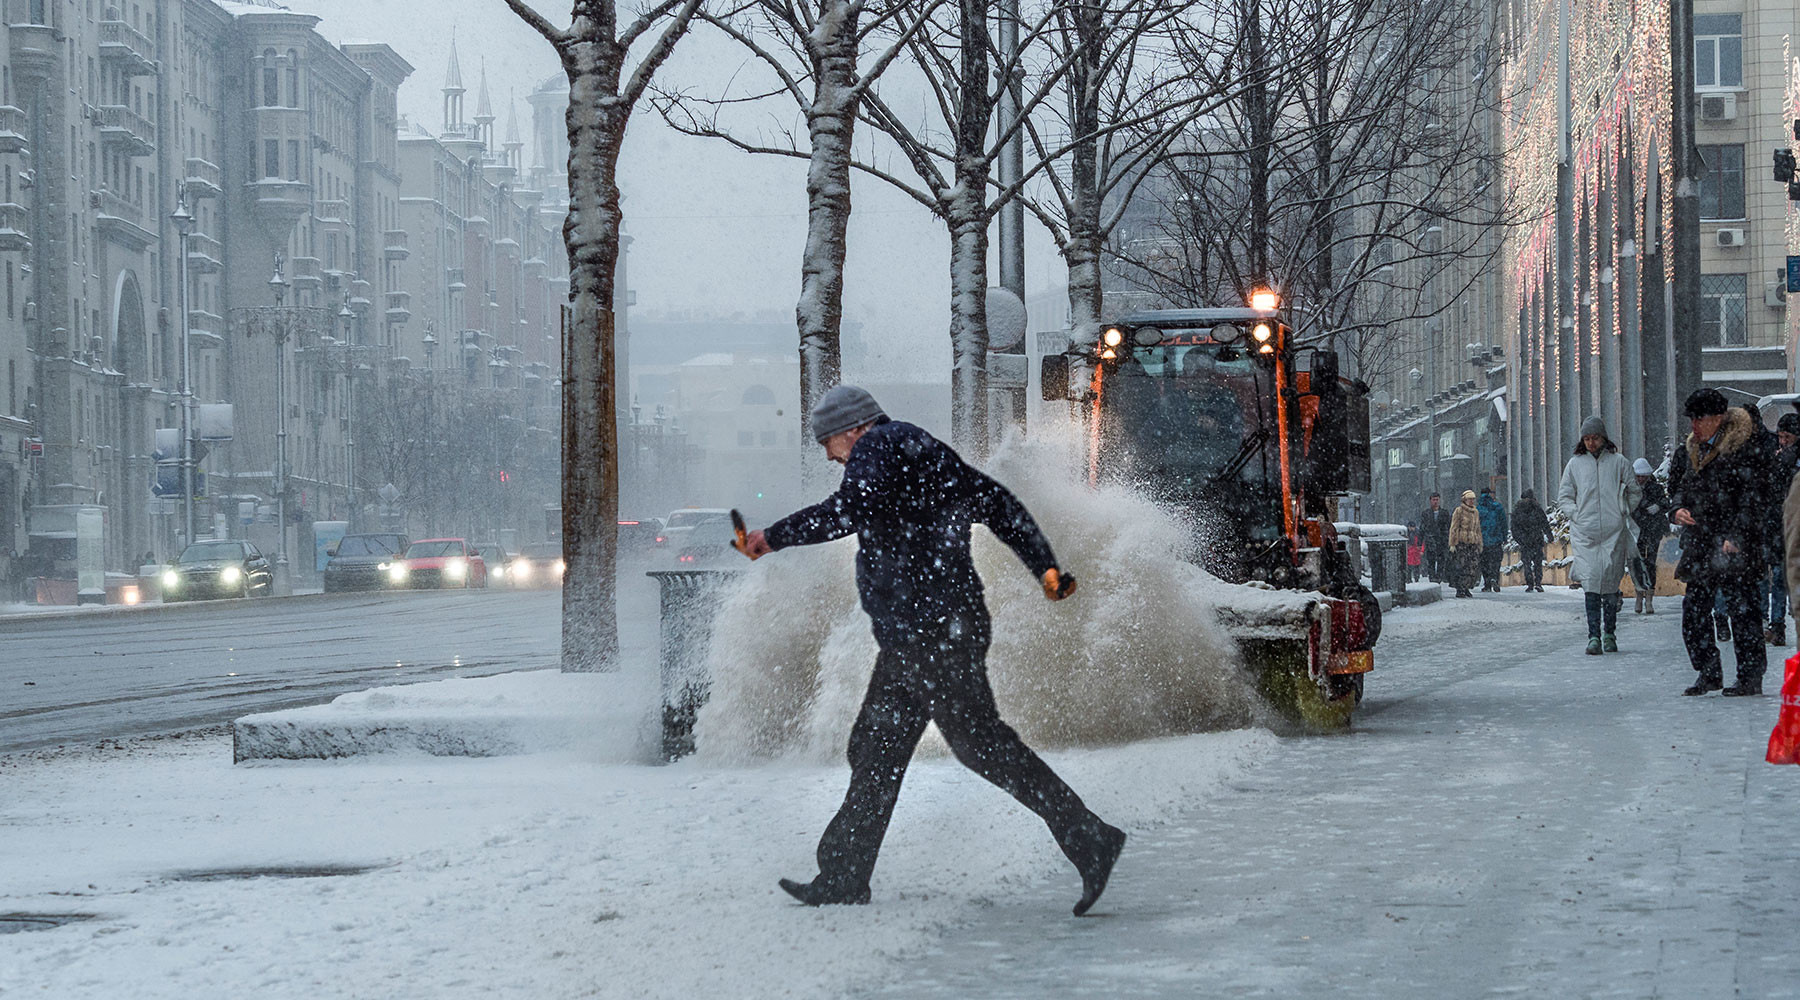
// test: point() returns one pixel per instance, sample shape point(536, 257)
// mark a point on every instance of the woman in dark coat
point(1531, 529)
point(1652, 517)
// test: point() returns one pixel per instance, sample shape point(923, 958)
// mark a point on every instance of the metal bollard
point(687, 606)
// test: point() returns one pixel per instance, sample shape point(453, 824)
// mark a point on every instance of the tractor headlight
point(455, 568)
point(1113, 336)
point(230, 575)
point(1262, 333)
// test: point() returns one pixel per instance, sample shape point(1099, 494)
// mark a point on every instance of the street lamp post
point(349, 318)
point(279, 285)
point(184, 225)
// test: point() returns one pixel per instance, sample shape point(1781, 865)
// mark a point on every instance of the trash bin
point(1387, 564)
point(688, 602)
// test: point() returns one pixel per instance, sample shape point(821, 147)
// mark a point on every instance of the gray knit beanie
point(1593, 425)
point(841, 409)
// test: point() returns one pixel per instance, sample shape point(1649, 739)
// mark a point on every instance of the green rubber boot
point(1609, 643)
point(1593, 647)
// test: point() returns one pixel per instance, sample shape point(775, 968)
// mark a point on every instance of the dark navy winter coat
point(910, 500)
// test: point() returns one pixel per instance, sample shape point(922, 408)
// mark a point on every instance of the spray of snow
point(1136, 653)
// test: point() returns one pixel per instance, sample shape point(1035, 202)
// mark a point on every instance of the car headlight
point(561, 567)
point(521, 570)
point(170, 578)
point(455, 568)
point(230, 575)
point(397, 572)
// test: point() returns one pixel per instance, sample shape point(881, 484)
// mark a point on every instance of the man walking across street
point(1597, 494)
point(1434, 524)
point(1651, 515)
point(1718, 489)
point(1465, 545)
point(1531, 529)
point(910, 501)
point(1493, 538)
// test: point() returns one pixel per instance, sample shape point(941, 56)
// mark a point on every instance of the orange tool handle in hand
point(1058, 585)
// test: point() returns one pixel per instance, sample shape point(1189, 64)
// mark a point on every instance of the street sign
point(1793, 275)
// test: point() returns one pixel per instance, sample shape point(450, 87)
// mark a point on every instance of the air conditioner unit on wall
point(1731, 237)
point(1718, 107)
point(1775, 295)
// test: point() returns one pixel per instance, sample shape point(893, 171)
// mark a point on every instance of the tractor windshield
point(1180, 417)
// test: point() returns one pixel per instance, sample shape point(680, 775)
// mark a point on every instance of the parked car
point(217, 568)
point(436, 563)
point(362, 561)
point(640, 535)
point(538, 565)
point(682, 521)
point(705, 544)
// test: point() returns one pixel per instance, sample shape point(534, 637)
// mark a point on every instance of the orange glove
point(1056, 585)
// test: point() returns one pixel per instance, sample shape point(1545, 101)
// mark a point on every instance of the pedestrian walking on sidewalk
point(1434, 524)
point(1465, 545)
point(1718, 490)
point(910, 500)
point(1651, 515)
point(1597, 495)
point(1493, 538)
point(1787, 460)
point(1531, 529)
point(1415, 553)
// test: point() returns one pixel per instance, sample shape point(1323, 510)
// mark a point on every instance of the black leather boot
point(815, 893)
point(1705, 684)
point(1744, 689)
point(1095, 862)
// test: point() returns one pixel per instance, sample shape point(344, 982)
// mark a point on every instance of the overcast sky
point(714, 231)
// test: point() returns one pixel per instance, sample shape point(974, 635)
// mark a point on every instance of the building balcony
point(204, 178)
point(305, 270)
point(476, 225)
point(454, 282)
point(281, 201)
point(395, 245)
point(128, 47)
point(204, 254)
point(36, 51)
point(201, 322)
point(399, 307)
point(535, 267)
point(124, 128)
point(14, 227)
point(332, 210)
point(121, 221)
point(13, 130)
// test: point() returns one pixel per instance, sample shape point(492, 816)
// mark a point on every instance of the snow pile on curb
point(608, 717)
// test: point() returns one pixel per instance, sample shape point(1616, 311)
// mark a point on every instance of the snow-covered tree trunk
point(830, 125)
point(968, 222)
point(1085, 238)
point(594, 53)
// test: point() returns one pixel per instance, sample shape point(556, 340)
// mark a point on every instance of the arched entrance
point(130, 352)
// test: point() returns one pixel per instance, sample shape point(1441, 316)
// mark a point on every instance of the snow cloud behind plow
point(1137, 653)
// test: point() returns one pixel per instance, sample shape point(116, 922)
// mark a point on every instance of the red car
point(436, 563)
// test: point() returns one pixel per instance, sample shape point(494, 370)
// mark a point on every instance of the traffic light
point(1784, 166)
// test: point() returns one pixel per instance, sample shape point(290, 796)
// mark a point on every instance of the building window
point(1723, 320)
point(1722, 186)
point(271, 87)
point(768, 439)
point(746, 439)
point(1718, 50)
point(271, 157)
point(294, 159)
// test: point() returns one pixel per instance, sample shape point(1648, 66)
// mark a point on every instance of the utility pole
point(1685, 313)
point(184, 224)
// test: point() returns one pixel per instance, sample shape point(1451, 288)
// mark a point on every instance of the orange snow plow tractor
point(1217, 415)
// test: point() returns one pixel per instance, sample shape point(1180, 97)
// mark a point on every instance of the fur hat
point(843, 408)
point(1705, 403)
point(1789, 422)
point(1468, 494)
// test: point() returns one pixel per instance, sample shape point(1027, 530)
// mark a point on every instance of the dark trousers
point(1740, 601)
point(1533, 564)
point(1434, 564)
point(1603, 613)
point(1490, 565)
point(943, 680)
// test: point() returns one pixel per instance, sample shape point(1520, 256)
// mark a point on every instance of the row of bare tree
point(1183, 151)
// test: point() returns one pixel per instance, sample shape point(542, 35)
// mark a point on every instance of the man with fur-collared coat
point(1718, 490)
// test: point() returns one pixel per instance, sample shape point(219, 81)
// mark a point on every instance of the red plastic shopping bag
point(1784, 742)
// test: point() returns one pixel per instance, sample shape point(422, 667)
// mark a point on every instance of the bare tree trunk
point(1256, 109)
point(830, 125)
point(967, 213)
point(1085, 238)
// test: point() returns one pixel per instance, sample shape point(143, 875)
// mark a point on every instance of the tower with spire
point(484, 115)
point(453, 93)
point(515, 146)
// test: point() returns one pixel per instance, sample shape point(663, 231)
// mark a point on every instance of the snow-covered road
point(1510, 818)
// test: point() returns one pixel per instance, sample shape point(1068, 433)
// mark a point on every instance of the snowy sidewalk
point(1511, 818)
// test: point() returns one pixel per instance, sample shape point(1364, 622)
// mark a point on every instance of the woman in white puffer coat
point(1598, 494)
